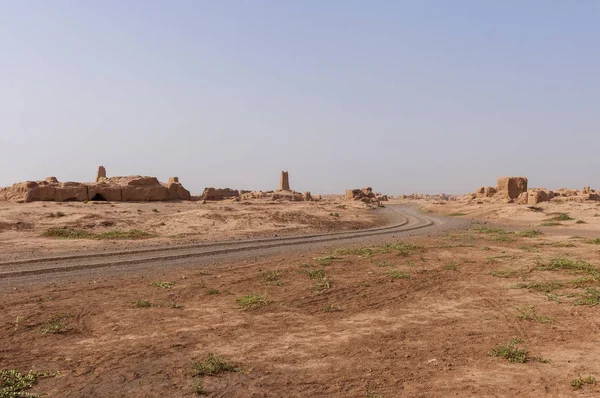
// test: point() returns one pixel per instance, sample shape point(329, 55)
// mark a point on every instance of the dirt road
point(403, 221)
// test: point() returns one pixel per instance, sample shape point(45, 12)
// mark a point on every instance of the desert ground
point(502, 306)
point(23, 226)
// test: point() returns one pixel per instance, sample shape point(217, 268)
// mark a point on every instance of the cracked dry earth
point(417, 318)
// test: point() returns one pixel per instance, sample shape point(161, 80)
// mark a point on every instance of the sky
point(404, 96)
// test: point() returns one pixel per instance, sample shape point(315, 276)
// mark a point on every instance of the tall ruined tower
point(284, 181)
point(101, 173)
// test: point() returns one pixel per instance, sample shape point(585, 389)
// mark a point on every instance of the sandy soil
point(585, 215)
point(395, 321)
point(22, 225)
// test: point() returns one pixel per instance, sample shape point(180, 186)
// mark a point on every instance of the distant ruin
point(283, 193)
point(284, 181)
point(515, 189)
point(365, 195)
point(113, 189)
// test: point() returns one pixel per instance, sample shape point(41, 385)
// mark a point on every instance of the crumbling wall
point(512, 187)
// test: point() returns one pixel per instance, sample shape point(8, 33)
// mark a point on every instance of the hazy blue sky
point(429, 96)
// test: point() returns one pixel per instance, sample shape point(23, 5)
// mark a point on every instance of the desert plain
point(471, 296)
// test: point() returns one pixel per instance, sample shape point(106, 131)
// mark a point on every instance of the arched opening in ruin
point(98, 198)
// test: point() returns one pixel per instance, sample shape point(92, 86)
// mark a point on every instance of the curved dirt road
point(402, 220)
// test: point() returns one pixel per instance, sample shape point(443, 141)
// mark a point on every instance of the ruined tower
point(284, 181)
point(101, 173)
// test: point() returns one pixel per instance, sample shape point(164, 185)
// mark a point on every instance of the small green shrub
point(545, 287)
point(396, 274)
point(581, 381)
point(504, 273)
point(332, 308)
point(212, 365)
point(529, 313)
point(511, 351)
point(142, 303)
point(13, 384)
point(591, 297)
point(57, 323)
point(252, 301)
point(530, 234)
point(560, 217)
point(450, 267)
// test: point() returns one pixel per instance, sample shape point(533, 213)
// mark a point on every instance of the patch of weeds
point(162, 285)
point(562, 263)
point(403, 249)
point(326, 260)
point(594, 241)
point(560, 217)
point(488, 230)
point(580, 222)
point(396, 274)
point(486, 248)
point(155, 210)
point(334, 214)
point(271, 277)
point(198, 386)
point(332, 308)
point(579, 382)
point(591, 297)
point(213, 291)
point(529, 313)
point(318, 273)
point(550, 224)
point(457, 214)
point(251, 301)
point(212, 365)
point(503, 238)
point(361, 252)
point(553, 297)
point(384, 264)
point(68, 233)
point(545, 287)
point(142, 303)
point(511, 351)
point(13, 384)
point(175, 305)
point(450, 267)
point(583, 281)
point(536, 209)
point(503, 273)
point(341, 206)
point(534, 233)
point(323, 284)
point(562, 244)
point(57, 214)
point(57, 323)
